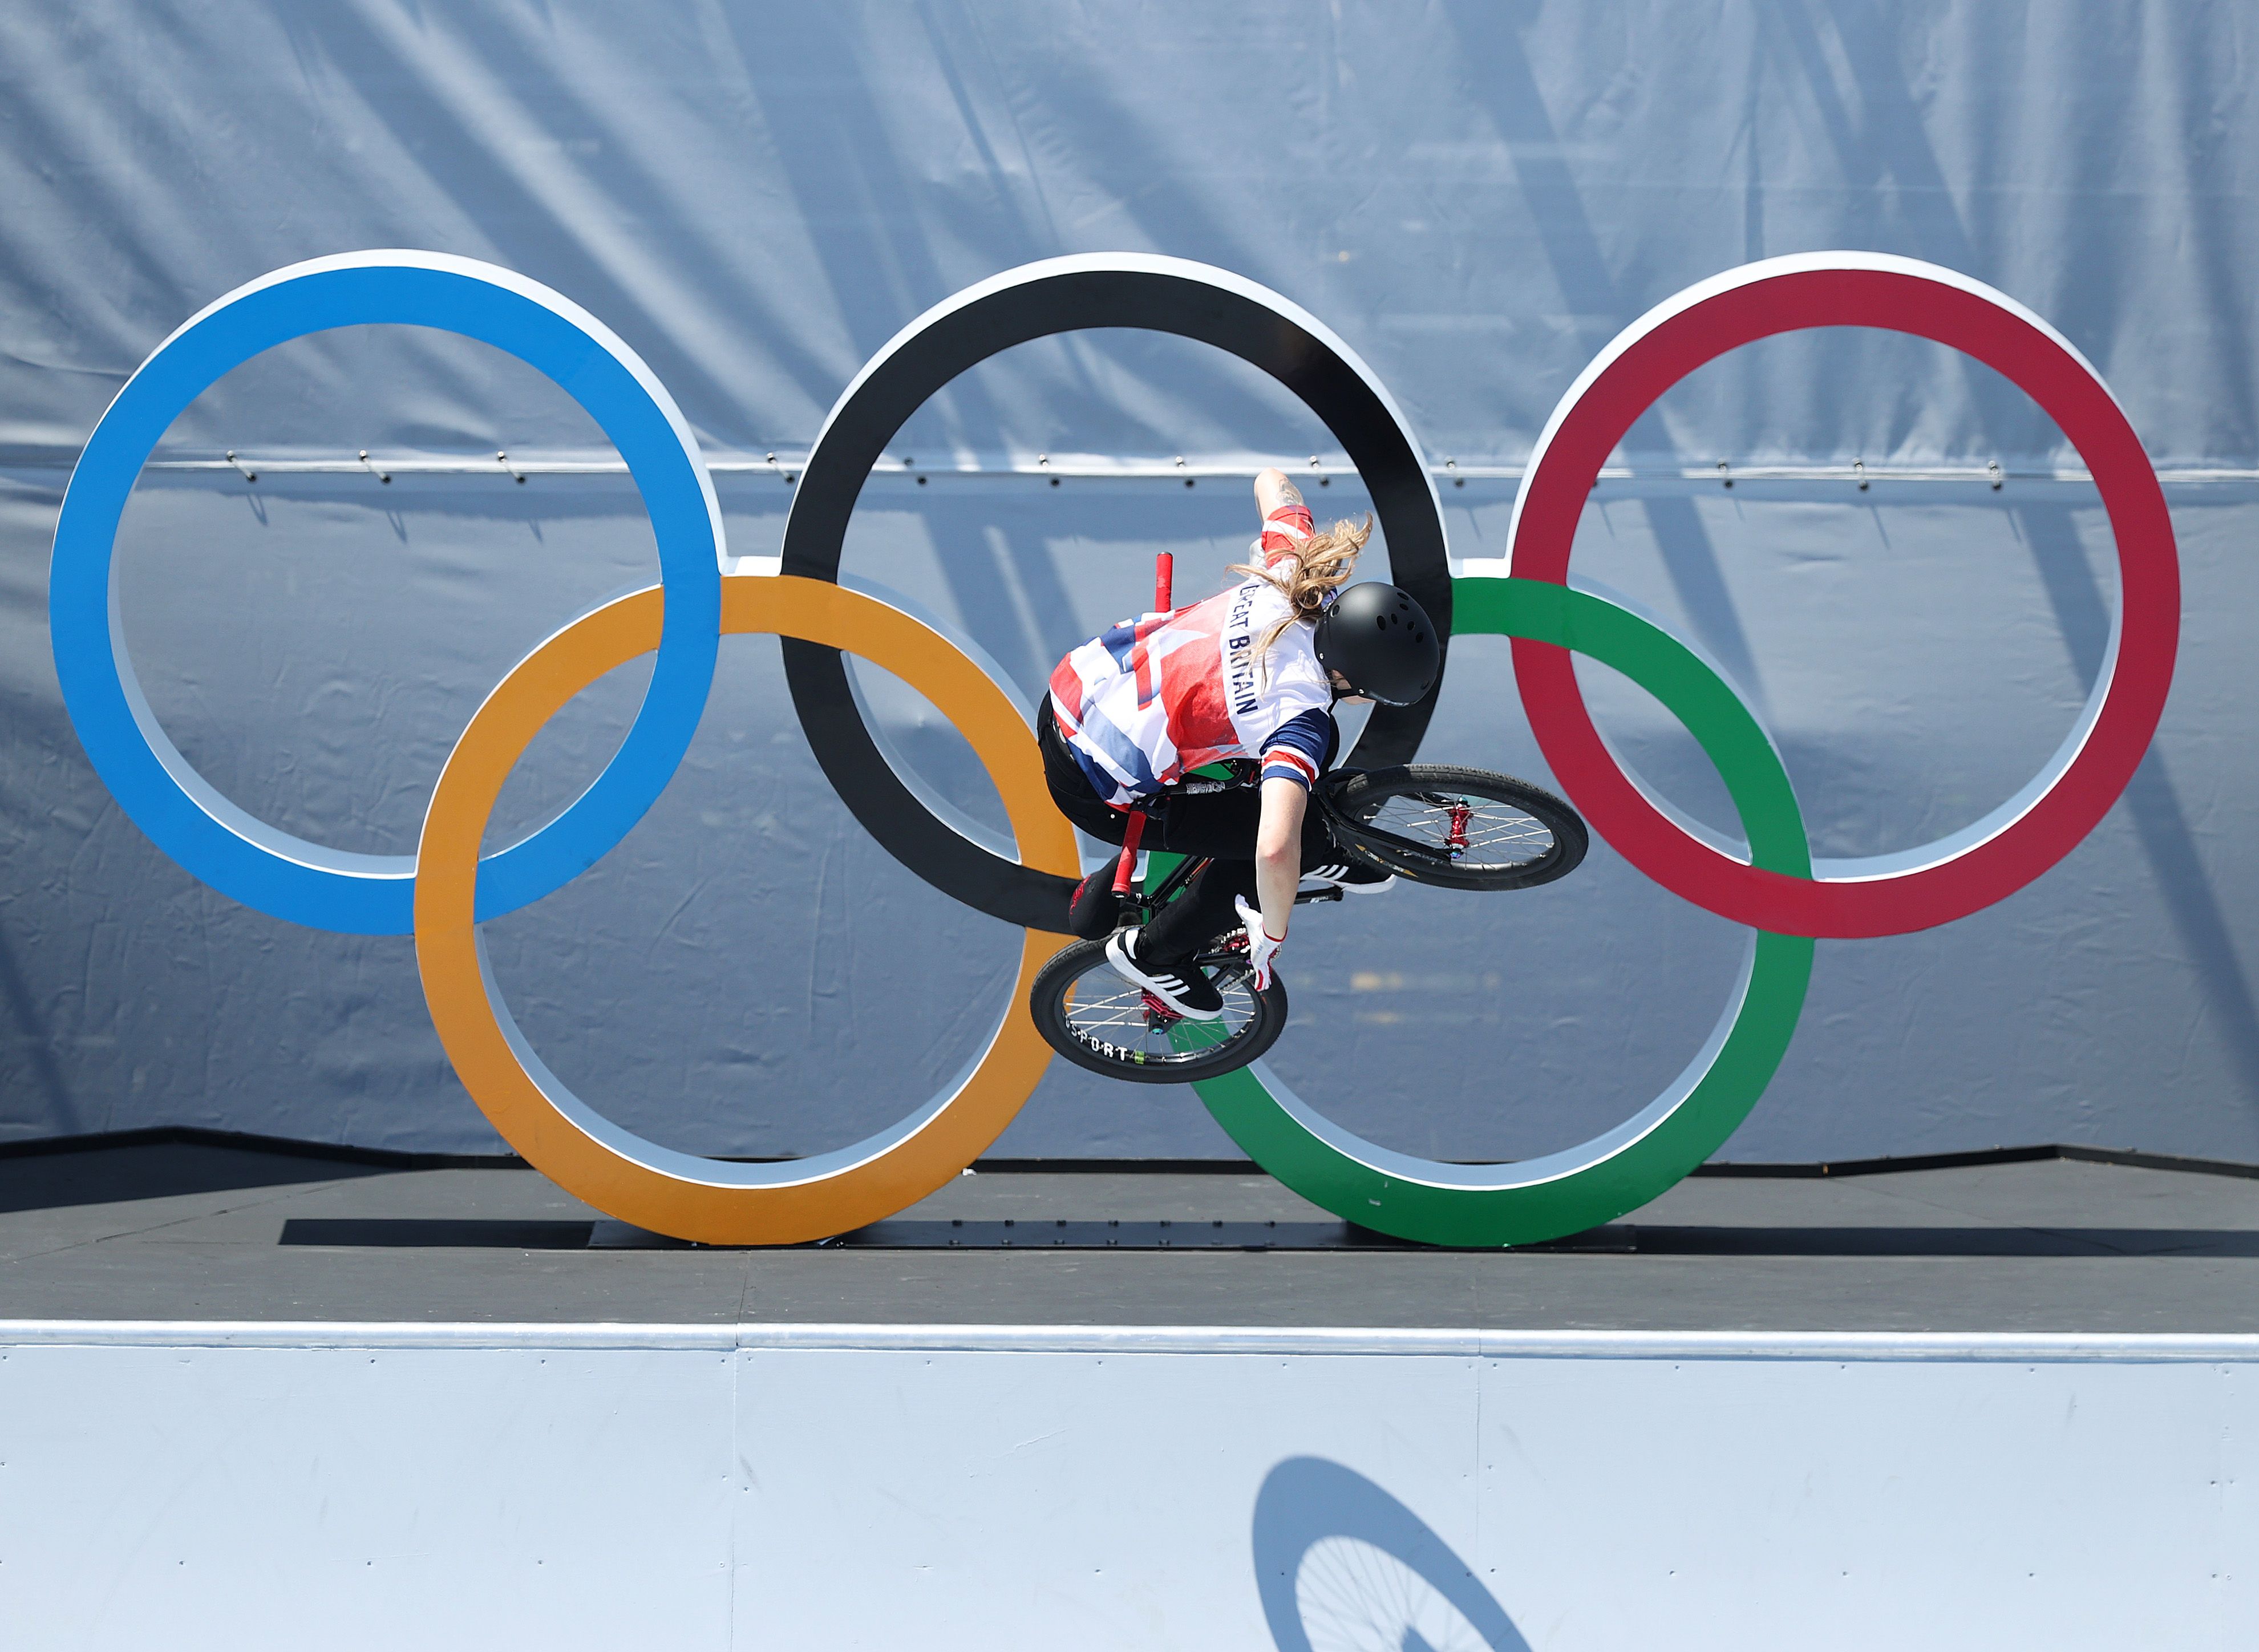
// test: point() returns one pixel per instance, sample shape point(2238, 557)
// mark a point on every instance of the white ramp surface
point(370, 1485)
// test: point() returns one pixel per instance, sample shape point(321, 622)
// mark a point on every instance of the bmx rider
point(1248, 678)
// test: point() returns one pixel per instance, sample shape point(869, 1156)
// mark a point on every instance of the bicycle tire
point(1162, 1052)
point(1526, 817)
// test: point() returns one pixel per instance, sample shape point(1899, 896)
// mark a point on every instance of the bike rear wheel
point(1099, 1020)
point(1455, 828)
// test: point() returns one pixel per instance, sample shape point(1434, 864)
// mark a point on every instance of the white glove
point(1262, 946)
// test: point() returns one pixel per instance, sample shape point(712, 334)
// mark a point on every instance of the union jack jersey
point(1154, 697)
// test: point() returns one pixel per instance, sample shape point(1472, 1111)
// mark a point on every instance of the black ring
point(1172, 296)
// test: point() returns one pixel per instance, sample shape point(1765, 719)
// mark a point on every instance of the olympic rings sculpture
point(443, 893)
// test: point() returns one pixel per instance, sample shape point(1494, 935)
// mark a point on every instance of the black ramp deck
point(193, 1231)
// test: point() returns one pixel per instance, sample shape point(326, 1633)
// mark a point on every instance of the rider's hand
point(1262, 947)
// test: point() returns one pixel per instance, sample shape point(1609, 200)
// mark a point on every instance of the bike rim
point(1495, 834)
point(1112, 1020)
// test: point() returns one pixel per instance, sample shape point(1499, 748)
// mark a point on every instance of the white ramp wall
point(694, 1487)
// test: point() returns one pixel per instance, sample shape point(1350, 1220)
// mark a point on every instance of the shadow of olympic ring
point(446, 889)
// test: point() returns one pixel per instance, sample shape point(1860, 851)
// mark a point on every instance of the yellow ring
point(713, 1200)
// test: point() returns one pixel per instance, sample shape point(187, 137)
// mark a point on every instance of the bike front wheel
point(1099, 1020)
point(1455, 828)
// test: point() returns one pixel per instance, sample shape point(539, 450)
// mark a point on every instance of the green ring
point(1579, 1187)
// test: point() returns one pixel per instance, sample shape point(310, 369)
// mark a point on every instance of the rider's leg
point(1093, 910)
point(1070, 786)
point(1207, 909)
point(1220, 825)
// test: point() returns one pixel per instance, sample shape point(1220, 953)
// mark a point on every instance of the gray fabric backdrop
point(1475, 196)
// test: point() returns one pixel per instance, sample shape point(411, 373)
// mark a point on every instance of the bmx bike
point(1432, 824)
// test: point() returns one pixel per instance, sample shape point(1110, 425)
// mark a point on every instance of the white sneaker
point(1348, 879)
point(1190, 994)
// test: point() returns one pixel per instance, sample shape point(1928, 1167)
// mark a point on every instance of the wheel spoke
point(1493, 833)
point(1106, 1013)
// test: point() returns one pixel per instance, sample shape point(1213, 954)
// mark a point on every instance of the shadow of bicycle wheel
point(1339, 1563)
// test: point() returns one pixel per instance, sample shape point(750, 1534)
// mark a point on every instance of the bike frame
point(1150, 901)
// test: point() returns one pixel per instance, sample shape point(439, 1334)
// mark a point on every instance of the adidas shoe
point(1181, 986)
point(1350, 879)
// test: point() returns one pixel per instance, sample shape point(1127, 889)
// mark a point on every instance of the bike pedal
point(1159, 1011)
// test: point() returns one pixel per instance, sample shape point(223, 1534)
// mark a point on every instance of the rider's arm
point(1273, 492)
point(1293, 758)
point(1279, 852)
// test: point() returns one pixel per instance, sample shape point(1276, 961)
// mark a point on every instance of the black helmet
point(1382, 641)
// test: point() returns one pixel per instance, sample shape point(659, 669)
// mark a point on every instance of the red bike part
point(1125, 870)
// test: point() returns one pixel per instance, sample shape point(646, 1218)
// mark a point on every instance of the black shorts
point(1218, 825)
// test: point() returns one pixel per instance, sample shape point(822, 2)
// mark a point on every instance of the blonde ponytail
point(1308, 575)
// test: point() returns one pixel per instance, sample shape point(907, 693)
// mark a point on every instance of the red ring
point(1853, 291)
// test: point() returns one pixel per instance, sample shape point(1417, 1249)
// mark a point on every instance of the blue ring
point(211, 838)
